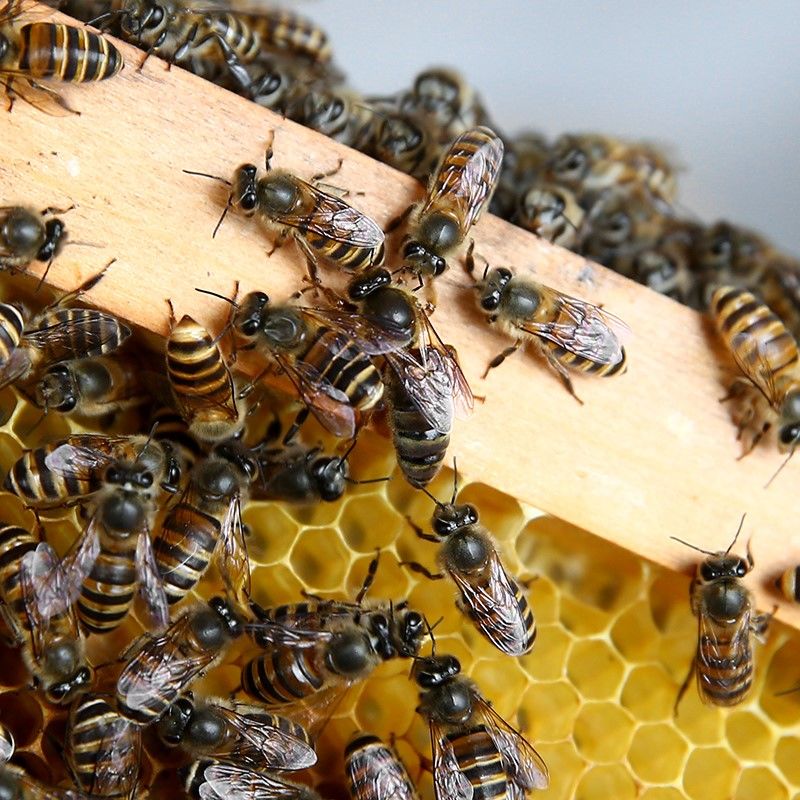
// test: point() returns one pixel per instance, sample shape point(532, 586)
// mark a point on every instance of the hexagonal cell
point(499, 512)
point(595, 669)
point(749, 736)
point(34, 766)
point(781, 706)
point(634, 634)
point(669, 601)
point(711, 773)
point(581, 619)
point(657, 753)
point(505, 680)
point(649, 693)
point(603, 732)
point(610, 780)
point(272, 586)
point(787, 758)
point(549, 656)
point(21, 712)
point(8, 402)
point(701, 724)
point(366, 524)
point(544, 599)
point(409, 501)
point(10, 451)
point(13, 672)
point(371, 709)
point(272, 532)
point(392, 581)
point(565, 766)
point(662, 793)
point(548, 710)
point(320, 559)
point(28, 426)
point(757, 783)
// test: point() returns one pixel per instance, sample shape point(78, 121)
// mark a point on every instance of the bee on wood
point(337, 112)
point(236, 733)
point(210, 780)
point(324, 226)
point(476, 753)
point(103, 749)
point(727, 621)
point(551, 212)
point(7, 744)
point(27, 236)
point(375, 771)
point(41, 622)
point(162, 667)
point(768, 390)
point(16, 783)
point(284, 31)
point(402, 141)
point(569, 333)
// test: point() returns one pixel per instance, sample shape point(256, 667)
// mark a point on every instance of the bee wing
point(266, 746)
point(714, 652)
point(329, 216)
point(15, 367)
point(84, 454)
point(753, 360)
point(93, 330)
point(523, 764)
point(233, 782)
point(234, 563)
point(589, 333)
point(267, 633)
point(468, 186)
point(370, 336)
point(110, 778)
point(151, 586)
point(449, 782)
point(493, 607)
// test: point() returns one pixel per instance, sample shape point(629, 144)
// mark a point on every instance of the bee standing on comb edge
point(570, 333)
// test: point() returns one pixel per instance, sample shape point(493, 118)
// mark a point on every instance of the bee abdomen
point(725, 674)
point(282, 676)
point(350, 256)
point(11, 327)
point(66, 52)
point(284, 30)
point(107, 594)
point(481, 764)
point(91, 333)
point(238, 34)
point(15, 542)
point(580, 363)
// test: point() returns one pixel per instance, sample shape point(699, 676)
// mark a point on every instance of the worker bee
point(766, 353)
point(103, 749)
point(488, 595)
point(375, 771)
point(569, 333)
point(7, 744)
point(51, 51)
point(26, 236)
point(209, 780)
point(337, 112)
point(269, 83)
point(283, 31)
point(551, 212)
point(74, 468)
point(206, 521)
point(476, 753)
point(163, 667)
point(789, 584)
point(324, 226)
point(458, 191)
point(91, 387)
point(44, 625)
point(402, 141)
point(237, 733)
point(724, 609)
point(16, 783)
point(202, 385)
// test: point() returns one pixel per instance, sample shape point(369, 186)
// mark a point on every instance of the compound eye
point(741, 569)
point(249, 327)
point(790, 434)
point(155, 18)
point(439, 265)
point(249, 201)
point(707, 572)
point(145, 479)
point(490, 302)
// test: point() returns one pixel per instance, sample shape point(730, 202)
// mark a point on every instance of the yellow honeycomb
point(596, 695)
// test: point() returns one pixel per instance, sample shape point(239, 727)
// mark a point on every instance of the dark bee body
point(163, 667)
point(285, 31)
point(375, 772)
point(103, 749)
point(27, 236)
point(476, 753)
point(211, 780)
point(403, 142)
point(16, 784)
point(338, 113)
point(551, 212)
point(299, 475)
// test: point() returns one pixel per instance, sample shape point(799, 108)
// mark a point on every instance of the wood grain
point(651, 453)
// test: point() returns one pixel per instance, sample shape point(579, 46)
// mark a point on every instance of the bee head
point(244, 192)
point(233, 626)
point(492, 288)
point(54, 232)
point(789, 431)
point(172, 726)
point(571, 165)
point(330, 477)
point(368, 282)
point(434, 671)
point(57, 390)
point(722, 565)
point(63, 659)
point(236, 455)
point(172, 469)
point(409, 630)
point(250, 317)
point(448, 518)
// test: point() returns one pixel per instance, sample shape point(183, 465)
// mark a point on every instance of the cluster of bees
point(158, 508)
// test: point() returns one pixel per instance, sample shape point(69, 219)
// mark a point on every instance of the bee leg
point(296, 425)
point(682, 690)
point(9, 93)
point(248, 388)
point(395, 223)
point(415, 566)
point(320, 175)
point(501, 357)
point(369, 578)
point(278, 242)
point(562, 373)
point(428, 537)
point(760, 622)
point(311, 596)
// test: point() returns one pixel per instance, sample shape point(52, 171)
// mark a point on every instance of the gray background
point(716, 83)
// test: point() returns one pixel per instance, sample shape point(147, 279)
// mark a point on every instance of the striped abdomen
point(752, 331)
point(350, 256)
point(239, 36)
point(579, 363)
point(11, 326)
point(14, 543)
point(284, 675)
point(337, 359)
point(369, 763)
point(82, 333)
point(724, 663)
point(66, 53)
point(480, 762)
point(284, 30)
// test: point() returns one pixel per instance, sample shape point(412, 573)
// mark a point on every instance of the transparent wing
point(449, 783)
point(712, 651)
point(233, 782)
point(151, 587)
point(372, 337)
point(83, 334)
point(381, 779)
point(267, 633)
point(83, 455)
point(234, 563)
point(16, 367)
point(756, 364)
point(119, 740)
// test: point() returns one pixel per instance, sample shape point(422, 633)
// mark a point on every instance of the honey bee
point(337, 112)
point(206, 521)
point(16, 783)
point(375, 771)
point(74, 468)
point(284, 31)
point(488, 595)
point(324, 226)
point(202, 385)
point(789, 584)
point(780, 289)
point(7, 744)
point(237, 733)
point(724, 609)
point(269, 83)
point(476, 753)
point(766, 353)
point(569, 333)
point(210, 780)
point(458, 191)
point(163, 667)
point(103, 749)
point(26, 235)
point(402, 141)
point(45, 627)
point(551, 212)
point(51, 51)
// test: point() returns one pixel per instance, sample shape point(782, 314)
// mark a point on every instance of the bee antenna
point(44, 275)
point(149, 438)
point(207, 175)
point(738, 531)
point(693, 546)
point(438, 502)
point(222, 217)
point(784, 462)
point(218, 296)
point(455, 482)
point(107, 15)
point(349, 450)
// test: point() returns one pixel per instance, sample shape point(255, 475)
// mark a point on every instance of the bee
point(286, 32)
point(476, 753)
point(202, 385)
point(45, 626)
point(337, 112)
point(73, 468)
point(488, 595)
point(551, 212)
point(324, 226)
point(54, 335)
point(7, 745)
point(91, 387)
point(780, 289)
point(16, 783)
point(163, 667)
point(210, 780)
point(789, 584)
point(458, 191)
point(103, 749)
point(724, 609)
point(206, 521)
point(569, 333)
point(51, 51)
point(766, 353)
point(237, 733)
point(402, 141)
point(27, 235)
point(375, 771)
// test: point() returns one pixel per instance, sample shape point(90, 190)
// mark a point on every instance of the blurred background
point(717, 84)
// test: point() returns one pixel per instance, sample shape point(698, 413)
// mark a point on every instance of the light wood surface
point(651, 453)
